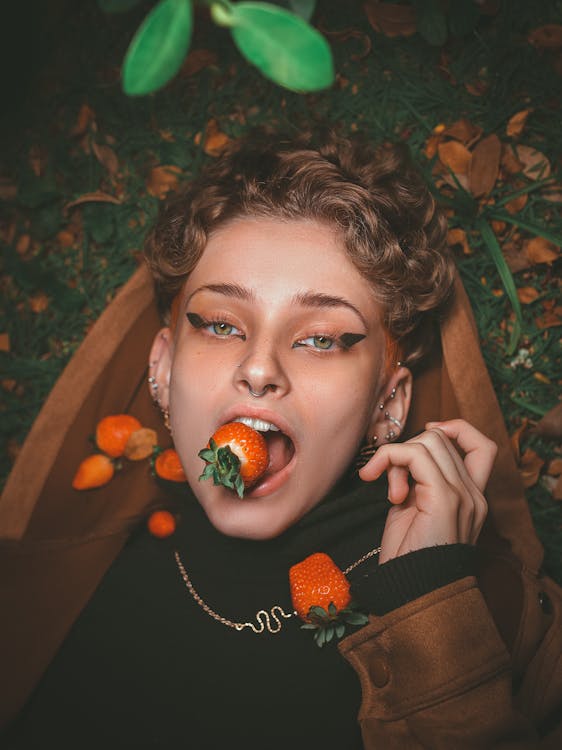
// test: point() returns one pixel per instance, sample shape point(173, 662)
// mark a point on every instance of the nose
point(261, 372)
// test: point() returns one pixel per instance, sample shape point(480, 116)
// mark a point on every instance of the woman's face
point(275, 305)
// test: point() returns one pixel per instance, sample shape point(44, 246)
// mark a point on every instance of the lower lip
point(272, 483)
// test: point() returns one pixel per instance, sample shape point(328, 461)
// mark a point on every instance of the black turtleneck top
point(144, 666)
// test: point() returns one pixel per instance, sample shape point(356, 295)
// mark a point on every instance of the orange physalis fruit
point(140, 444)
point(161, 524)
point(168, 466)
point(113, 432)
point(94, 471)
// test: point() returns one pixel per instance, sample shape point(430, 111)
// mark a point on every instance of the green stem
point(539, 231)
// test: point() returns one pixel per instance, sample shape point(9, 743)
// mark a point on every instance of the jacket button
point(546, 604)
point(379, 672)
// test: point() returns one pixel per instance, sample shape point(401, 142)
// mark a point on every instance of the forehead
point(277, 257)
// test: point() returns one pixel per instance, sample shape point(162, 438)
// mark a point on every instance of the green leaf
point(507, 279)
point(283, 46)
point(320, 638)
point(332, 609)
point(431, 22)
point(158, 48)
point(303, 8)
point(317, 611)
point(329, 634)
point(340, 629)
point(356, 618)
point(117, 6)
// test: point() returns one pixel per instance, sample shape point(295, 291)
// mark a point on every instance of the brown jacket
point(475, 664)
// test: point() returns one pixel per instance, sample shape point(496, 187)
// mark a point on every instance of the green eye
point(322, 342)
point(222, 329)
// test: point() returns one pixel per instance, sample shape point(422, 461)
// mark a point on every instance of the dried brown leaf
point(484, 166)
point(547, 37)
point(215, 141)
point(510, 164)
point(391, 19)
point(499, 227)
point(527, 294)
point(162, 180)
point(454, 155)
point(97, 196)
point(465, 131)
point(23, 243)
point(517, 122)
point(552, 193)
point(550, 426)
point(557, 490)
point(541, 250)
point(530, 467)
point(39, 302)
point(65, 238)
point(555, 467)
point(85, 116)
point(535, 164)
point(550, 319)
point(517, 204)
point(106, 157)
point(140, 444)
point(431, 145)
point(4, 342)
point(457, 236)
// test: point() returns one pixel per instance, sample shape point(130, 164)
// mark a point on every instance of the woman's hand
point(436, 495)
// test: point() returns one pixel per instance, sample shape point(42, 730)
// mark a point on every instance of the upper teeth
point(257, 424)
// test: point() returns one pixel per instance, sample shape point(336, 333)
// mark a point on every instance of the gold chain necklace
point(270, 620)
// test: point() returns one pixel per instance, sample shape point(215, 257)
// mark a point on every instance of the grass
point(55, 285)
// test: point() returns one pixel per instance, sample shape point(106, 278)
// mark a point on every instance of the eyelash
point(344, 342)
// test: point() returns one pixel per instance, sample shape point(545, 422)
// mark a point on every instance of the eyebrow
point(305, 299)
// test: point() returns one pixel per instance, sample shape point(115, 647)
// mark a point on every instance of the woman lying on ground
point(307, 294)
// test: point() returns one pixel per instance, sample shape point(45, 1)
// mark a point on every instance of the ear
point(391, 410)
point(160, 366)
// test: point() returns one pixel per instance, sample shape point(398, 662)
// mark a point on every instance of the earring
point(154, 390)
point(166, 416)
point(390, 396)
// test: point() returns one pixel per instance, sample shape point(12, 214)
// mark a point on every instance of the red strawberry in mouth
point(245, 452)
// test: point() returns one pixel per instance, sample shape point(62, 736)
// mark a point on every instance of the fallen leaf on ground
point(550, 319)
point(517, 122)
point(106, 157)
point(552, 193)
point(162, 180)
point(535, 164)
point(541, 250)
point(510, 164)
point(39, 302)
point(391, 19)
point(530, 467)
point(140, 444)
point(484, 166)
point(454, 155)
point(215, 140)
point(457, 236)
point(557, 491)
point(527, 294)
point(517, 204)
point(4, 342)
point(65, 238)
point(23, 243)
point(85, 116)
point(550, 426)
point(465, 131)
point(97, 196)
point(547, 37)
point(555, 467)
point(499, 227)
point(431, 145)
point(345, 35)
point(542, 378)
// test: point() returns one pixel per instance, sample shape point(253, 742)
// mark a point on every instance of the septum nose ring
point(255, 394)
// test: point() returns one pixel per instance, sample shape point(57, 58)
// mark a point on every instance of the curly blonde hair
point(375, 198)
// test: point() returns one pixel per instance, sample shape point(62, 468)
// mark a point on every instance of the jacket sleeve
point(435, 673)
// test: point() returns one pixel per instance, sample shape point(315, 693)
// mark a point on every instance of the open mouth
point(280, 447)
